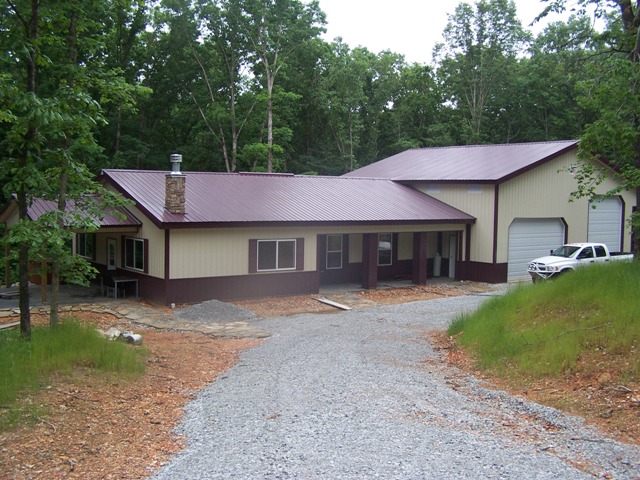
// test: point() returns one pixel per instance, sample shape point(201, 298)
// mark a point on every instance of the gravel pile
point(214, 311)
point(362, 394)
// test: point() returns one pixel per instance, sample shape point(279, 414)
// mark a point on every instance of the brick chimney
point(174, 198)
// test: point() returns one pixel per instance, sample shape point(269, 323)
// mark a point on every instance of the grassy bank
point(27, 366)
point(545, 329)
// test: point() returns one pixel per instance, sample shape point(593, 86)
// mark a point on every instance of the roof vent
point(174, 198)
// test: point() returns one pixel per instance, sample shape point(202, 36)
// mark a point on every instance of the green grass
point(543, 329)
point(27, 366)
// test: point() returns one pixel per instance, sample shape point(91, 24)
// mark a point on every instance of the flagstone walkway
point(137, 313)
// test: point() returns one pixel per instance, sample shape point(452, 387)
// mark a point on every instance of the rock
point(604, 378)
point(110, 334)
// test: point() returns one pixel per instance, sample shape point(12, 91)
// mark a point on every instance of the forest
point(250, 85)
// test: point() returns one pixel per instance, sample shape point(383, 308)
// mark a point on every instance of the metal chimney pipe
point(176, 160)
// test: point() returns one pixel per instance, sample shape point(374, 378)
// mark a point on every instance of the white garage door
point(605, 222)
point(530, 238)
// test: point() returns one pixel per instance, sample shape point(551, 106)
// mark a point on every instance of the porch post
point(419, 258)
point(370, 260)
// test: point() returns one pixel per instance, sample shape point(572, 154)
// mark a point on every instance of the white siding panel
point(605, 222)
point(530, 238)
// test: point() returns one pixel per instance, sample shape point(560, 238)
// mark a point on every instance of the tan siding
point(154, 235)
point(101, 247)
point(432, 245)
point(545, 193)
point(224, 252)
point(405, 246)
point(355, 248)
point(478, 204)
point(148, 231)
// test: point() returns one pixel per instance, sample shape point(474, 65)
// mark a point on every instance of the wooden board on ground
point(332, 303)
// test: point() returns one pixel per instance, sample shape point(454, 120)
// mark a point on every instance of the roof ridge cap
point(482, 145)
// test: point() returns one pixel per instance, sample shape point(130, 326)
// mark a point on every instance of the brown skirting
point(482, 272)
point(194, 290)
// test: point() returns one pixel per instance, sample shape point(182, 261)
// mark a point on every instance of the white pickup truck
point(570, 256)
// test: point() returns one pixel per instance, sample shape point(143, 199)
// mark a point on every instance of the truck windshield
point(565, 251)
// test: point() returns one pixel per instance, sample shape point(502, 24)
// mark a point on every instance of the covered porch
point(372, 258)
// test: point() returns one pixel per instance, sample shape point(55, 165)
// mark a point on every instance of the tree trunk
point(31, 33)
point(64, 175)
point(7, 266)
point(631, 21)
point(23, 272)
point(270, 81)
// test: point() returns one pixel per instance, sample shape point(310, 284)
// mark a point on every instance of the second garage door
point(530, 238)
point(605, 222)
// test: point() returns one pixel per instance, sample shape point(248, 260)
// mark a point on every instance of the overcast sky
point(409, 27)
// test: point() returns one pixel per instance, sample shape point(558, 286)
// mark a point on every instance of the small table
point(120, 279)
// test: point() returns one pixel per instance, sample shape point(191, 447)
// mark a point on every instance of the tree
point(612, 93)
point(549, 75)
point(25, 113)
point(229, 102)
point(48, 124)
point(275, 28)
point(414, 113)
point(477, 61)
point(124, 23)
point(343, 97)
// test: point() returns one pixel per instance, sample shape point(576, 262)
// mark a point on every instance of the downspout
point(496, 195)
point(167, 262)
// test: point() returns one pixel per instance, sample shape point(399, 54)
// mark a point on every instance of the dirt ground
point(108, 428)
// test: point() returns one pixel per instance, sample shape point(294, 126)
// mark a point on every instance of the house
point(195, 236)
point(469, 213)
point(242, 235)
point(520, 195)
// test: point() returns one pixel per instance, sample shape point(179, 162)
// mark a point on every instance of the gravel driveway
point(362, 394)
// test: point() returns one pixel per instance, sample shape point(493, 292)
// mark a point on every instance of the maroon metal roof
point(115, 217)
point(475, 163)
point(233, 198)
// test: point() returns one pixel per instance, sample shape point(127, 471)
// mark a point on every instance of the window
point(134, 253)
point(111, 253)
point(334, 252)
point(600, 251)
point(276, 255)
point(586, 253)
point(474, 188)
point(85, 243)
point(384, 248)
